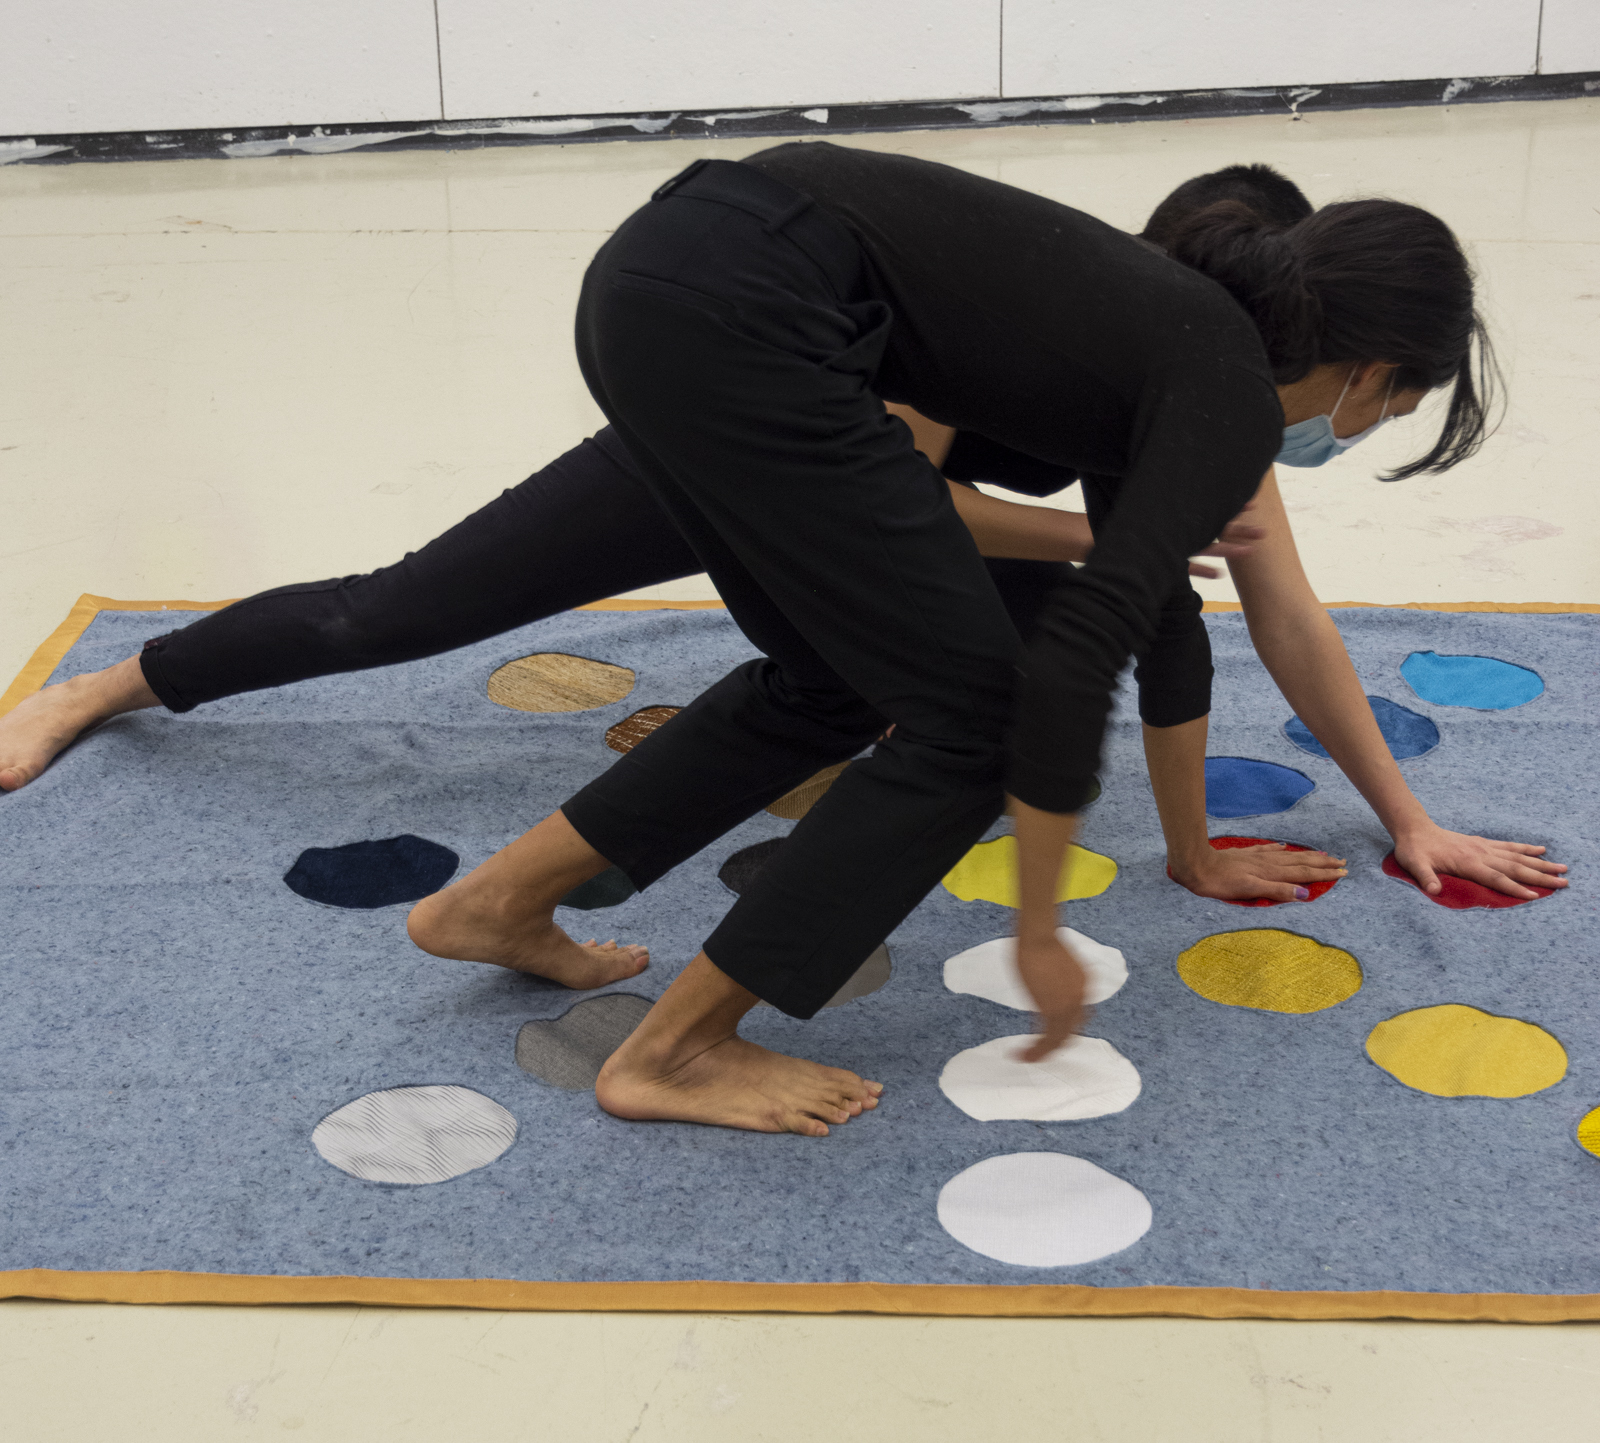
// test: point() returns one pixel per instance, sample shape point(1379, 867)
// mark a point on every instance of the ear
point(1372, 375)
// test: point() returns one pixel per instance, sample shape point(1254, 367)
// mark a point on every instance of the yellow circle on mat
point(1455, 1051)
point(1589, 1132)
point(1269, 969)
point(554, 681)
point(988, 873)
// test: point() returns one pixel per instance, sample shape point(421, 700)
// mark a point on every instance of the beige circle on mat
point(415, 1134)
point(631, 730)
point(554, 681)
point(794, 805)
point(989, 970)
point(867, 979)
point(1086, 1077)
point(1042, 1210)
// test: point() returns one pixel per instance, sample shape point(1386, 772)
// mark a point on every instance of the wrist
point(1409, 825)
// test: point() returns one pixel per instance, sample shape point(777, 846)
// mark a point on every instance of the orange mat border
point(1034, 1300)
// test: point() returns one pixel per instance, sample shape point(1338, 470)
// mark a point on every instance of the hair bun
point(1257, 264)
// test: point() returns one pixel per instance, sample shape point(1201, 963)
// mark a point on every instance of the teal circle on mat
point(1408, 733)
point(1483, 682)
point(1245, 787)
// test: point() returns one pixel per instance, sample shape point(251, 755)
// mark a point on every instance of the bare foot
point(733, 1083)
point(464, 924)
point(41, 726)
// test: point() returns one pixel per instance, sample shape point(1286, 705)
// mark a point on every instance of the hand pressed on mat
point(1509, 867)
point(1239, 874)
point(1055, 979)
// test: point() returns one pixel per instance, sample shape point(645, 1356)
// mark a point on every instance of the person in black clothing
point(738, 331)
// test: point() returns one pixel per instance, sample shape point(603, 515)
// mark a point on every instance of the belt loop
point(692, 169)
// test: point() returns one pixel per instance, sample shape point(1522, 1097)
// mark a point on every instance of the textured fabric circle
point(793, 805)
point(1244, 787)
point(569, 1051)
point(1269, 970)
point(553, 681)
point(1456, 1051)
point(1085, 1077)
point(864, 981)
point(988, 873)
point(989, 970)
point(1408, 733)
point(1483, 682)
point(1589, 1132)
point(372, 874)
point(1225, 844)
point(1461, 893)
point(415, 1135)
point(631, 730)
point(1042, 1210)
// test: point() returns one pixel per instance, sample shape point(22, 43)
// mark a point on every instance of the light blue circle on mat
point(1244, 787)
point(1483, 682)
point(1408, 733)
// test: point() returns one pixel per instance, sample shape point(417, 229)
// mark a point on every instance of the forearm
point(1042, 842)
point(1026, 533)
point(1307, 659)
point(1176, 759)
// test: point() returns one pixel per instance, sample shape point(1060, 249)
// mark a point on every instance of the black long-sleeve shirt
point(1059, 337)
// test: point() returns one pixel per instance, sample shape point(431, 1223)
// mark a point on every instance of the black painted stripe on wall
point(796, 120)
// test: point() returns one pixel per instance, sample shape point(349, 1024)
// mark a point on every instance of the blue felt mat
point(178, 1020)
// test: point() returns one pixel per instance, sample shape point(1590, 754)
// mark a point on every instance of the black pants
point(727, 332)
point(583, 529)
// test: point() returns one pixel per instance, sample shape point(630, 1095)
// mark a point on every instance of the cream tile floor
point(224, 375)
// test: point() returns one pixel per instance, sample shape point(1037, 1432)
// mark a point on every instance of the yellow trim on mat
point(1031, 1300)
point(1542, 608)
point(915, 1300)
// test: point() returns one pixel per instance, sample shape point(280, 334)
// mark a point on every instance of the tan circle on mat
point(631, 730)
point(1456, 1051)
point(794, 805)
point(1268, 969)
point(867, 979)
point(554, 681)
point(569, 1051)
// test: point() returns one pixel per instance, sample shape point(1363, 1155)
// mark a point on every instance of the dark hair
point(1271, 195)
point(1362, 280)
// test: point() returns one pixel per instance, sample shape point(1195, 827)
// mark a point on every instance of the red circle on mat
point(1223, 844)
point(1458, 893)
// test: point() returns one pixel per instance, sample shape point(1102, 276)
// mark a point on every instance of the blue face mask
point(1312, 442)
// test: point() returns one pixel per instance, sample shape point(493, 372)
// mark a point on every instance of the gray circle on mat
point(415, 1135)
point(570, 1050)
point(868, 978)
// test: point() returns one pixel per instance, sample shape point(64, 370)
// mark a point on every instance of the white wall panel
point(108, 65)
point(1088, 47)
point(1571, 37)
point(586, 57)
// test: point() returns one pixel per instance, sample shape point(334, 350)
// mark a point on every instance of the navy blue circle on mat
point(372, 874)
point(1408, 733)
point(1244, 787)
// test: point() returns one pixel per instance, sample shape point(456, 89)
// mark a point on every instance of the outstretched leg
point(582, 529)
point(503, 912)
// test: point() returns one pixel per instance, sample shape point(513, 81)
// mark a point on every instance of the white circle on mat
point(1085, 1077)
point(990, 970)
point(415, 1134)
point(1042, 1210)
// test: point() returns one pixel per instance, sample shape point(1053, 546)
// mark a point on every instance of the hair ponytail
point(1365, 280)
